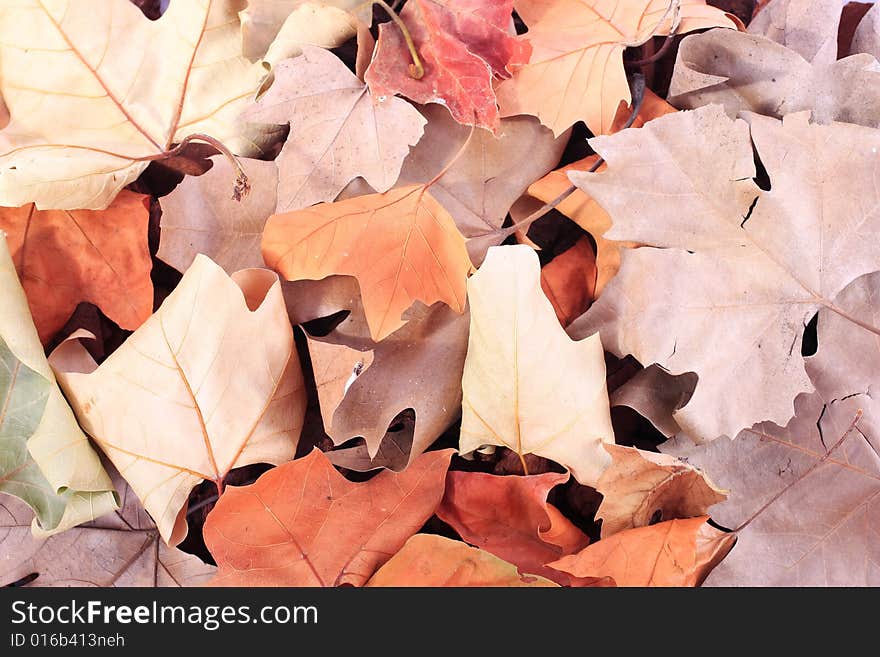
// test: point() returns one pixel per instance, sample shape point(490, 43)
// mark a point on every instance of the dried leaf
point(421, 254)
point(640, 488)
point(337, 131)
point(576, 72)
point(867, 35)
point(463, 45)
point(200, 216)
point(510, 518)
point(427, 560)
point(673, 553)
point(743, 268)
point(310, 24)
point(526, 385)
point(569, 281)
point(64, 258)
point(89, 108)
point(44, 456)
point(303, 524)
point(656, 395)
point(807, 27)
point(209, 383)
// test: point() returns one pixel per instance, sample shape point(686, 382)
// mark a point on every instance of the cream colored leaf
point(526, 384)
point(337, 131)
point(95, 90)
point(807, 27)
point(867, 35)
point(210, 382)
point(310, 24)
point(73, 481)
point(732, 274)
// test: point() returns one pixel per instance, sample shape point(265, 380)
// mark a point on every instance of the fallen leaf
point(209, 383)
point(511, 518)
point(417, 367)
point(463, 45)
point(656, 395)
point(317, 24)
point(46, 458)
point(337, 131)
point(428, 560)
point(642, 488)
point(485, 179)
point(90, 109)
point(743, 268)
point(805, 26)
point(200, 216)
point(423, 256)
point(672, 553)
point(576, 71)
point(64, 258)
point(527, 386)
point(569, 281)
point(803, 497)
point(867, 35)
point(304, 524)
point(120, 549)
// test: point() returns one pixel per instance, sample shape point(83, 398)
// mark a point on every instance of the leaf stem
point(416, 69)
point(242, 185)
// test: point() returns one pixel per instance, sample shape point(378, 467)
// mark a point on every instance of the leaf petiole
point(416, 69)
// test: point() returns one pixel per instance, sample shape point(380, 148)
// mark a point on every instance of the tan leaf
point(526, 384)
point(656, 395)
point(310, 24)
point(807, 27)
point(673, 553)
point(200, 216)
point(90, 108)
point(428, 560)
point(743, 268)
point(337, 130)
point(402, 246)
point(867, 35)
point(210, 382)
point(641, 488)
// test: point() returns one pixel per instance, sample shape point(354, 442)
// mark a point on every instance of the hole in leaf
point(656, 517)
point(762, 178)
point(324, 325)
point(810, 341)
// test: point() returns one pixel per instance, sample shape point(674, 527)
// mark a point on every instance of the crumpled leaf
point(867, 35)
point(200, 216)
point(808, 501)
point(88, 106)
point(489, 175)
point(463, 45)
point(641, 488)
point(402, 246)
point(526, 385)
point(569, 281)
point(210, 382)
point(417, 367)
point(44, 456)
point(805, 26)
point(120, 549)
point(511, 518)
point(64, 258)
point(656, 395)
point(745, 72)
point(576, 71)
point(304, 524)
point(337, 131)
point(318, 24)
point(429, 560)
point(748, 279)
point(672, 553)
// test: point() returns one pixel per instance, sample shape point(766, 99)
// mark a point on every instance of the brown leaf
point(569, 281)
point(100, 256)
point(642, 488)
point(673, 553)
point(428, 560)
point(303, 524)
point(656, 395)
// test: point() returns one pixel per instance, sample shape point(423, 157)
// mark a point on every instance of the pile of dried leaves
point(327, 293)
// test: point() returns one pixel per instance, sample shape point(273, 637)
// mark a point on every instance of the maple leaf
point(484, 180)
point(805, 26)
point(866, 38)
point(200, 216)
point(804, 496)
point(66, 257)
point(569, 281)
point(656, 395)
point(90, 109)
point(748, 279)
point(119, 549)
point(575, 72)
point(526, 385)
point(641, 487)
point(304, 524)
point(463, 44)
point(402, 246)
point(210, 382)
point(672, 553)
point(337, 131)
point(428, 560)
point(45, 459)
point(511, 518)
